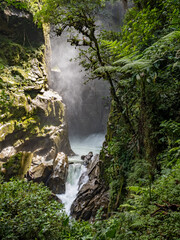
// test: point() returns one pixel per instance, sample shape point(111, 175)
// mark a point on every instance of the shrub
point(28, 212)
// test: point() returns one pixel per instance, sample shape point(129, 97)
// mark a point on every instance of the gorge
point(89, 120)
point(40, 133)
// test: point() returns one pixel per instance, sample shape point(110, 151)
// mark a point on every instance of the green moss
point(48, 109)
point(6, 129)
point(25, 163)
point(18, 142)
point(20, 101)
point(19, 71)
point(12, 53)
point(18, 165)
point(28, 125)
point(7, 78)
point(61, 110)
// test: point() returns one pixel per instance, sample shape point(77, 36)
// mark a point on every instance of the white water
point(81, 146)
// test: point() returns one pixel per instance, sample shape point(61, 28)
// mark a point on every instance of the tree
point(79, 18)
point(136, 72)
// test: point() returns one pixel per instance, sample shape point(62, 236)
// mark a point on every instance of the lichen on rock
point(32, 117)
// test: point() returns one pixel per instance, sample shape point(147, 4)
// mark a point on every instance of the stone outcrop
point(41, 171)
point(87, 158)
point(52, 173)
point(32, 116)
point(58, 178)
point(92, 195)
point(18, 25)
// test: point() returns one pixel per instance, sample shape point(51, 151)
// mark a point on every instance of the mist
point(87, 104)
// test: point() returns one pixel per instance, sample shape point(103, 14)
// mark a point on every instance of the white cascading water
point(81, 146)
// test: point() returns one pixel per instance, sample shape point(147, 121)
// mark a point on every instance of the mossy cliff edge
point(32, 116)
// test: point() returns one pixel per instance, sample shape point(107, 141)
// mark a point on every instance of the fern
point(123, 61)
point(127, 59)
point(102, 70)
point(161, 46)
point(131, 63)
point(138, 65)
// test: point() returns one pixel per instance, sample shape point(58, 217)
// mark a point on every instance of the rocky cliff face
point(92, 196)
point(32, 116)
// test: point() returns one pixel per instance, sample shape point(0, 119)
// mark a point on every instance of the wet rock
point(19, 25)
point(53, 196)
point(83, 179)
point(34, 120)
point(41, 172)
point(45, 129)
point(6, 129)
point(6, 153)
point(92, 195)
point(52, 172)
point(44, 134)
point(87, 158)
point(58, 178)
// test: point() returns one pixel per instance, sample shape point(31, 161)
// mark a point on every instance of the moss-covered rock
point(17, 165)
point(32, 116)
point(6, 129)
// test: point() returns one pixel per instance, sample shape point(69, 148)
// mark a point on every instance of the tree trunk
point(125, 3)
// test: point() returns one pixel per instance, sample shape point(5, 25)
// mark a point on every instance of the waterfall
point(81, 146)
point(74, 173)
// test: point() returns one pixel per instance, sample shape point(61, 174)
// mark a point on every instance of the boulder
point(44, 133)
point(58, 178)
point(6, 153)
point(41, 172)
point(87, 158)
point(83, 179)
point(53, 173)
point(92, 195)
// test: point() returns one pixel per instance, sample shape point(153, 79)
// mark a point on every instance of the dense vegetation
point(141, 155)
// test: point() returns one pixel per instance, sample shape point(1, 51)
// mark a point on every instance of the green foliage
point(32, 6)
point(21, 4)
point(5, 101)
point(142, 152)
point(170, 131)
point(67, 13)
point(145, 63)
point(13, 166)
point(138, 218)
point(11, 53)
point(26, 212)
point(145, 26)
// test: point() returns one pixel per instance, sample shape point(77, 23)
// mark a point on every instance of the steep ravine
point(33, 129)
point(87, 114)
point(85, 193)
point(34, 139)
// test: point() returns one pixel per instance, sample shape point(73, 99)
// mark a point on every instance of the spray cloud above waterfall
point(68, 76)
point(87, 105)
point(87, 108)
